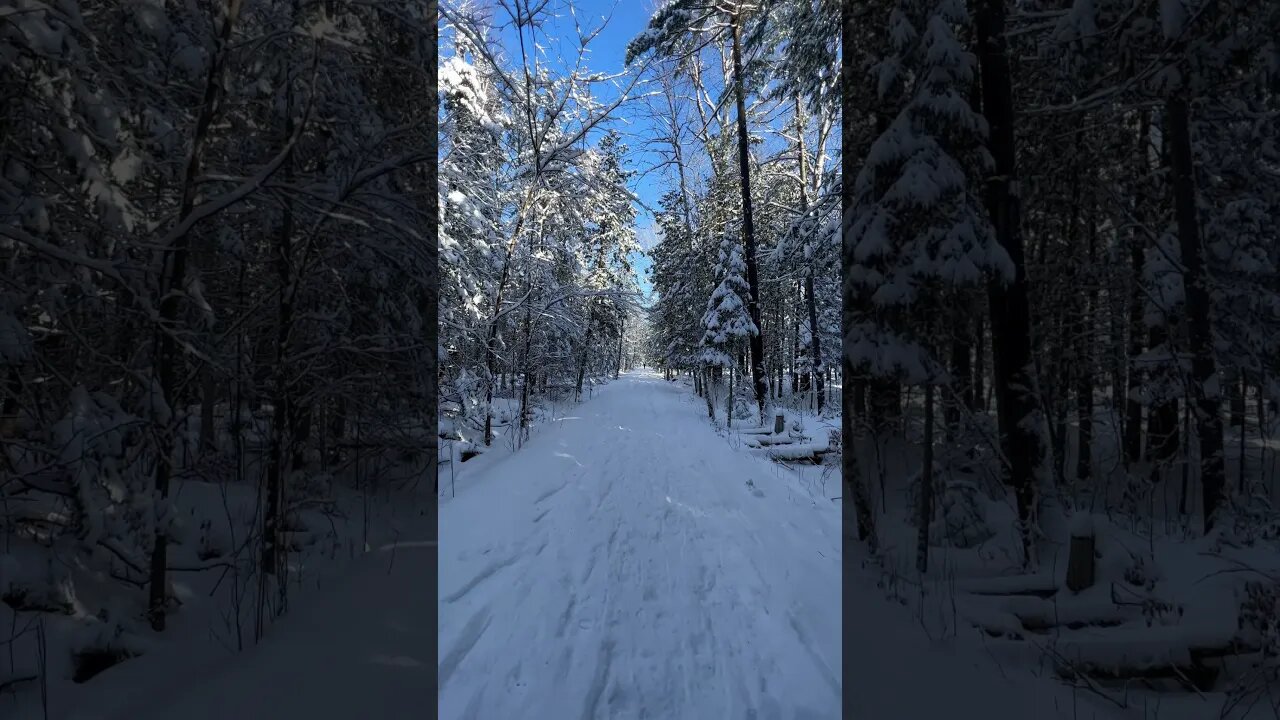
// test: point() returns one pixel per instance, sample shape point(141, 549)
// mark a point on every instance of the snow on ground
point(359, 650)
point(630, 563)
point(199, 645)
point(1161, 591)
point(631, 560)
point(897, 671)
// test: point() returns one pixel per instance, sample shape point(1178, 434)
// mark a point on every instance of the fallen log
point(812, 452)
point(770, 440)
point(1194, 677)
point(1039, 585)
point(1183, 657)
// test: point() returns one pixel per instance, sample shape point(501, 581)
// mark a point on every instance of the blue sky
point(625, 20)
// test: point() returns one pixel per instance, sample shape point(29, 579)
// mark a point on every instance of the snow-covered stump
point(1080, 557)
point(779, 423)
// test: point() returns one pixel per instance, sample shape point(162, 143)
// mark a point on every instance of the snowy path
point(619, 566)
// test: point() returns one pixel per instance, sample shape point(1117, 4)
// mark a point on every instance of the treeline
point(1064, 213)
point(746, 110)
point(215, 238)
point(537, 230)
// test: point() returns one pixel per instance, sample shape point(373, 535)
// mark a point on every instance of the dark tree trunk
point(1162, 418)
point(528, 370)
point(208, 402)
point(617, 367)
point(707, 393)
point(1085, 368)
point(1010, 318)
point(852, 388)
point(337, 427)
point(300, 426)
point(978, 392)
point(1237, 389)
point(728, 403)
point(961, 373)
point(582, 357)
point(885, 404)
point(1132, 405)
point(1199, 324)
point(748, 223)
point(166, 351)
point(926, 486)
point(815, 346)
point(282, 415)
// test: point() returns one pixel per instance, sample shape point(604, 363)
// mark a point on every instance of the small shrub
point(1249, 520)
point(1259, 617)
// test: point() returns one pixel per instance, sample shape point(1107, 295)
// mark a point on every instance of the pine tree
point(920, 235)
point(727, 321)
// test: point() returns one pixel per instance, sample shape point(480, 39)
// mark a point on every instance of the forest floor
point(346, 646)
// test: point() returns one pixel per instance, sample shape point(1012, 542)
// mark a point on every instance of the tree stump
point(779, 423)
point(1080, 562)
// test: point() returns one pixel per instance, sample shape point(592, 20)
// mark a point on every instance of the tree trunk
point(978, 393)
point(1237, 389)
point(1132, 405)
point(166, 355)
point(300, 427)
point(728, 402)
point(926, 486)
point(815, 344)
point(337, 427)
point(748, 223)
point(582, 358)
point(528, 370)
point(1080, 561)
point(1199, 324)
point(617, 366)
point(852, 388)
point(796, 371)
point(282, 412)
point(885, 404)
point(1009, 308)
point(708, 394)
point(961, 373)
point(208, 403)
point(1084, 370)
point(1162, 418)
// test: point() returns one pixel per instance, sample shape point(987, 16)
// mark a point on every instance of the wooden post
point(1080, 560)
point(779, 423)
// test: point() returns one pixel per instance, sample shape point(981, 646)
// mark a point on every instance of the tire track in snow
point(551, 492)
point(604, 663)
point(465, 642)
point(823, 669)
point(484, 574)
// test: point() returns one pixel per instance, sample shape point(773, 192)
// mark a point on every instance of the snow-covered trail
point(621, 566)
